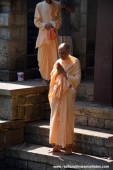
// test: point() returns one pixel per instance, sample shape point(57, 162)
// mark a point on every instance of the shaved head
point(64, 46)
point(64, 51)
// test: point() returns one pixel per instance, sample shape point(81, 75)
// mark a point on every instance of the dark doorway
point(91, 38)
point(31, 36)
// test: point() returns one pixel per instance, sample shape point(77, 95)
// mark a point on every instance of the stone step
point(3, 166)
point(9, 131)
point(36, 157)
point(89, 114)
point(23, 100)
point(93, 115)
point(86, 140)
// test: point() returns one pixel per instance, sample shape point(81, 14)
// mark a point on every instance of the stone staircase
point(86, 139)
point(92, 133)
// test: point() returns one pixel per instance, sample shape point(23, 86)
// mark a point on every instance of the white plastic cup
point(20, 76)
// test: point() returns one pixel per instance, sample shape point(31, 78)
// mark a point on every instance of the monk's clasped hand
point(48, 26)
point(61, 70)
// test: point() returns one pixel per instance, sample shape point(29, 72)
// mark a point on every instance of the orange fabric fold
point(61, 97)
point(51, 34)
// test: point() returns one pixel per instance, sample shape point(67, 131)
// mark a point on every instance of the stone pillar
point(79, 35)
point(13, 38)
point(103, 78)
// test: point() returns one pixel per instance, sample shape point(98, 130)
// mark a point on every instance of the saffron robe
point(47, 49)
point(61, 98)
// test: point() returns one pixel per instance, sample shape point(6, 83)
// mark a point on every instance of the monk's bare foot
point(68, 149)
point(110, 138)
point(56, 148)
point(67, 152)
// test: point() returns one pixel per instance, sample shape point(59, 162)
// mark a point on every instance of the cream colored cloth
point(62, 97)
point(47, 49)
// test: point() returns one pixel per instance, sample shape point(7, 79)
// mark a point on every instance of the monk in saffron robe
point(47, 17)
point(65, 78)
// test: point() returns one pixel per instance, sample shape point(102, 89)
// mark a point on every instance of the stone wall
point(13, 36)
point(11, 133)
point(18, 106)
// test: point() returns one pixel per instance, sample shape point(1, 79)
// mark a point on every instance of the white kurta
point(47, 49)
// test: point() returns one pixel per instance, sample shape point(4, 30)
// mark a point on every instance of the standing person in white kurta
point(47, 16)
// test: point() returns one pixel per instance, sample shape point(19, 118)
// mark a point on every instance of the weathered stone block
point(3, 62)
point(109, 124)
point(17, 19)
point(5, 125)
point(100, 151)
point(19, 6)
point(5, 32)
point(17, 55)
point(13, 33)
point(108, 143)
point(94, 122)
point(18, 32)
point(17, 124)
point(10, 161)
point(37, 139)
point(4, 19)
point(36, 165)
point(21, 112)
point(21, 164)
point(34, 99)
point(50, 167)
point(5, 107)
point(22, 100)
point(3, 47)
point(13, 137)
point(80, 120)
point(34, 112)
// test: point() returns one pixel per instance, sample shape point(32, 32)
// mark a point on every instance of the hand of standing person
point(48, 26)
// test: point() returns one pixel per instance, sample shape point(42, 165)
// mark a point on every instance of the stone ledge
point(103, 111)
point(39, 154)
point(7, 124)
point(23, 100)
point(94, 115)
point(11, 133)
point(24, 87)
